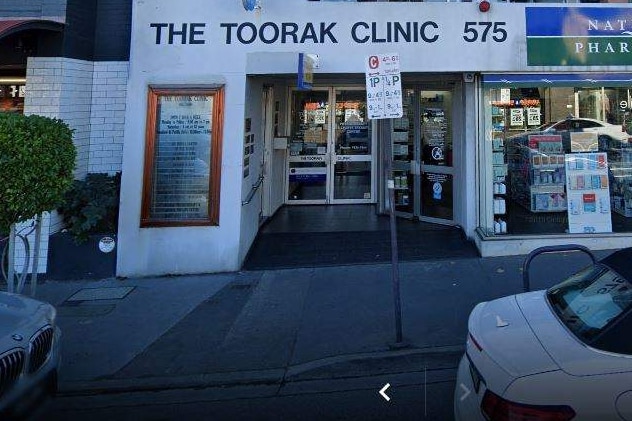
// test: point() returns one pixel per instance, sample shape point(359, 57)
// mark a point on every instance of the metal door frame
point(417, 167)
point(317, 158)
point(330, 158)
point(334, 158)
point(437, 169)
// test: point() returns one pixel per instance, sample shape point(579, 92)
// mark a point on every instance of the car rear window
point(591, 301)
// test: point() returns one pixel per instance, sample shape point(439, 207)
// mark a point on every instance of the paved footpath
point(267, 327)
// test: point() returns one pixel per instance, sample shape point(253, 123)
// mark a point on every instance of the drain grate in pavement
point(96, 294)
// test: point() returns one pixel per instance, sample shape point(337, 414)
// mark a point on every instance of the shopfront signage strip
point(245, 33)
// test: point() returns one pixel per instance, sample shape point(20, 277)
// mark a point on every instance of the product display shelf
point(402, 155)
point(499, 168)
point(537, 178)
point(620, 162)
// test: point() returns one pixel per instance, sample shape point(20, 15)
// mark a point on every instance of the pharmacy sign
point(579, 36)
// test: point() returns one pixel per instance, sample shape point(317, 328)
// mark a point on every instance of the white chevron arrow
point(466, 391)
point(383, 392)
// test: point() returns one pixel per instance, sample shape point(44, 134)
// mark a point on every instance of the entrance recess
point(422, 156)
point(331, 148)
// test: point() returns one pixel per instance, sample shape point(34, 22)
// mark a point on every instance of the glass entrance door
point(437, 172)
point(422, 156)
point(352, 180)
point(308, 158)
point(330, 148)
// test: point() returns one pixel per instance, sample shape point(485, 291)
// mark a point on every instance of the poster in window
point(505, 95)
point(320, 116)
point(588, 193)
point(182, 157)
point(517, 117)
point(533, 116)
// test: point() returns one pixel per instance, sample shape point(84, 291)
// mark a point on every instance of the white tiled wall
point(107, 117)
point(62, 88)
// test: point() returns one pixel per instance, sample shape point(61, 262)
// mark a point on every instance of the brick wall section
point(62, 88)
point(107, 117)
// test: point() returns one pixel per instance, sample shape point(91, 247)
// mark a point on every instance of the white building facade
point(218, 134)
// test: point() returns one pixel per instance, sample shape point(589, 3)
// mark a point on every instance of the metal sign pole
point(390, 183)
point(384, 101)
point(11, 259)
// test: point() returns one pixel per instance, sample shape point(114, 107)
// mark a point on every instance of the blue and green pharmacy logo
point(579, 36)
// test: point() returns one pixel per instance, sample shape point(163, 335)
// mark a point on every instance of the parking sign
point(383, 86)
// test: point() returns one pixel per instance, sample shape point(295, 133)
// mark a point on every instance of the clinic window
point(183, 157)
point(558, 160)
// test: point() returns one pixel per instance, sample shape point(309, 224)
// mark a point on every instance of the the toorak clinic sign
point(429, 36)
point(308, 33)
point(574, 36)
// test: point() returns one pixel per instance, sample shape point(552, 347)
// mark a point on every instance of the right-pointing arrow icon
point(383, 392)
point(466, 391)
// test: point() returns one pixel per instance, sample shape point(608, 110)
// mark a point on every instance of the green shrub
point(37, 158)
point(91, 205)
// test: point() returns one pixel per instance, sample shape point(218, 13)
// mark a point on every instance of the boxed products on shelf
point(538, 172)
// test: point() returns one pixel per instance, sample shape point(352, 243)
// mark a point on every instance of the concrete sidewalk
point(263, 327)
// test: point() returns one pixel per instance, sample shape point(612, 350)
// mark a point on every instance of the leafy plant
point(91, 205)
point(37, 158)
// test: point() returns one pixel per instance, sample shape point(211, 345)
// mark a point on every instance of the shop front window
point(557, 160)
point(12, 97)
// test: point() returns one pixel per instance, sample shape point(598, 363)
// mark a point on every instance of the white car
point(615, 131)
point(560, 354)
point(610, 135)
point(29, 354)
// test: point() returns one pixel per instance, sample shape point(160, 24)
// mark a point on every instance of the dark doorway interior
point(319, 235)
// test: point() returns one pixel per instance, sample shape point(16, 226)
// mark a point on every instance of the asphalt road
point(421, 395)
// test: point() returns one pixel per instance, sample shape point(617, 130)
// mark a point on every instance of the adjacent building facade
point(69, 59)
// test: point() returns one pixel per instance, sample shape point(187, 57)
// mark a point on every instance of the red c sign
point(374, 62)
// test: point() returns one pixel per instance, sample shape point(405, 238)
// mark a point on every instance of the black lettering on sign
point(182, 33)
point(253, 33)
point(185, 33)
point(286, 33)
point(326, 31)
point(354, 32)
point(391, 32)
point(479, 31)
point(272, 35)
point(425, 36)
point(309, 33)
point(289, 29)
point(159, 27)
point(194, 32)
point(229, 31)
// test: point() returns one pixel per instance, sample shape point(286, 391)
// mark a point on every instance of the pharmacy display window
point(182, 157)
point(556, 155)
